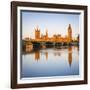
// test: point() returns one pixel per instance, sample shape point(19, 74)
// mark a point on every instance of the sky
point(55, 23)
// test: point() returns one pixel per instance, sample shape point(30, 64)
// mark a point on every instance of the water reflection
point(70, 55)
point(46, 54)
point(51, 62)
point(55, 53)
point(37, 55)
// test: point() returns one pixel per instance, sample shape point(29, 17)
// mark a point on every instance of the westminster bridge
point(28, 45)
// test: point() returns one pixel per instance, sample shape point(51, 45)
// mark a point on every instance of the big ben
point(69, 33)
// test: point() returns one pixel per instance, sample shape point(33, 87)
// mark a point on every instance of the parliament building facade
point(55, 37)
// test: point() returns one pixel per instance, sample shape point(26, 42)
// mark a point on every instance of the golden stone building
point(55, 37)
point(45, 37)
point(37, 33)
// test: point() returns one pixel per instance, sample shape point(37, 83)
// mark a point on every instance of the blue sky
point(56, 23)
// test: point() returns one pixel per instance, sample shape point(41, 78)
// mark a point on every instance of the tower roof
point(37, 28)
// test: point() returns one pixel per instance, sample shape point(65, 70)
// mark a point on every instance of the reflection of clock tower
point(46, 54)
point(70, 55)
point(69, 33)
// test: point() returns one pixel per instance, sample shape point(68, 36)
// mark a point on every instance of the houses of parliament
point(55, 37)
point(29, 46)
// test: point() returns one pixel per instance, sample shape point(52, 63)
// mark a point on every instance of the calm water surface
point(50, 62)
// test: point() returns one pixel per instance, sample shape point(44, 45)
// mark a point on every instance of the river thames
point(50, 62)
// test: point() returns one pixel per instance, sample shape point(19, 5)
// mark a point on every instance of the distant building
point(69, 33)
point(46, 37)
point(55, 37)
point(27, 38)
point(37, 33)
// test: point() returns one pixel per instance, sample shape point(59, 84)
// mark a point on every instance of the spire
point(69, 26)
point(69, 29)
point(37, 28)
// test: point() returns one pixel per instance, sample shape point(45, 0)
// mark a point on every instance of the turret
point(37, 33)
